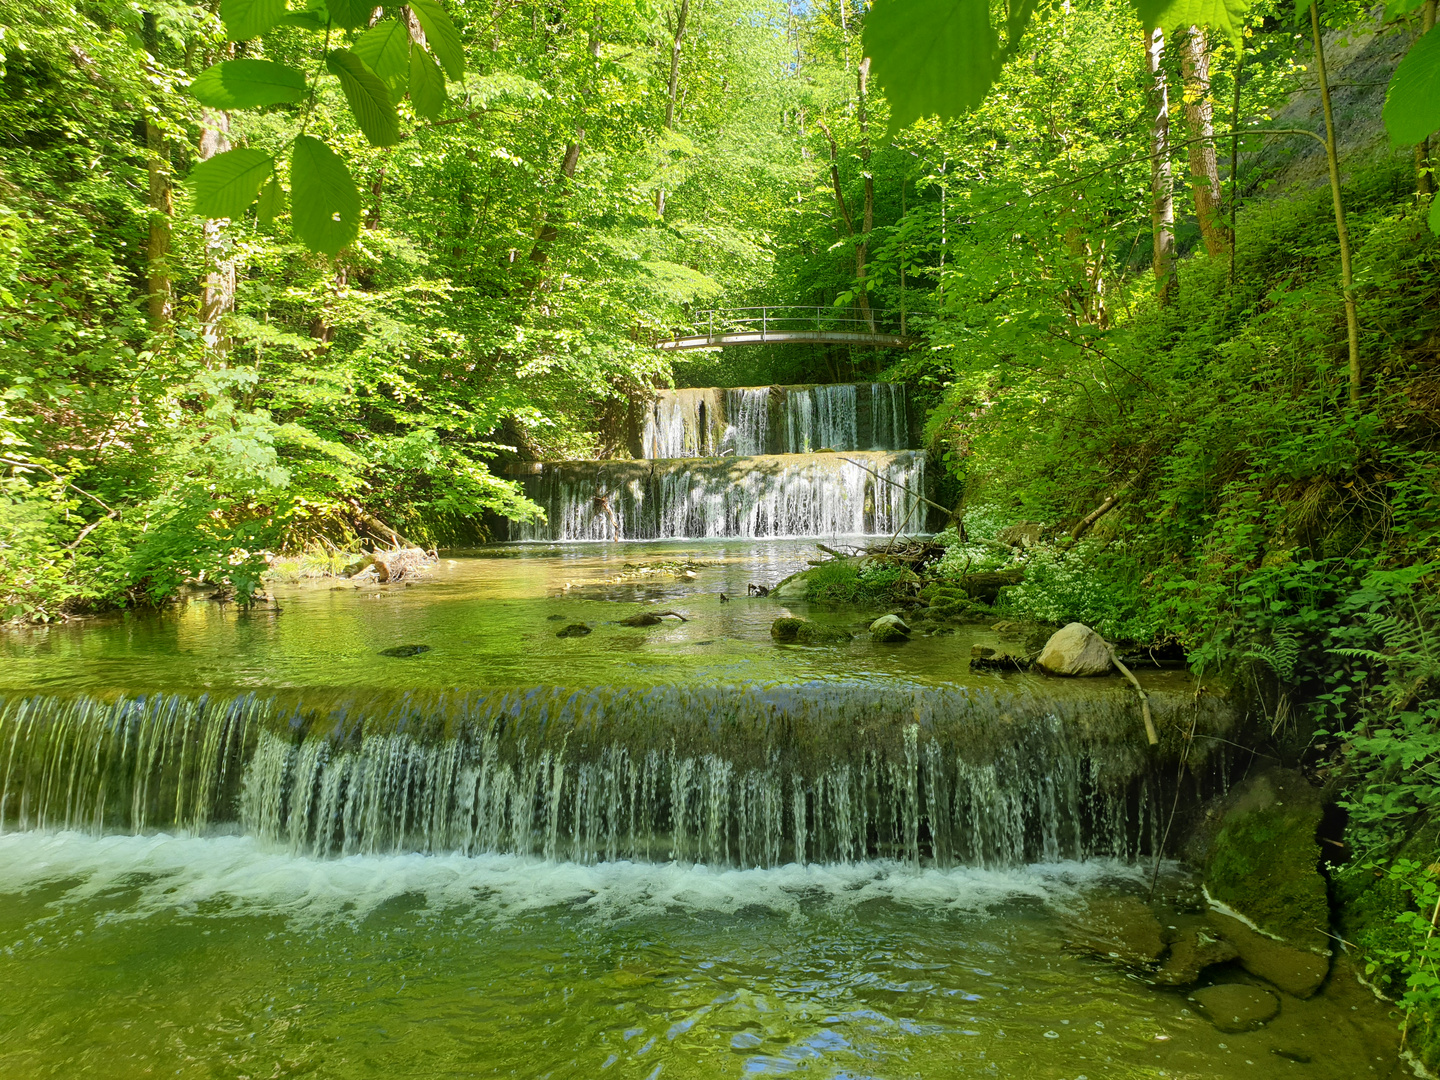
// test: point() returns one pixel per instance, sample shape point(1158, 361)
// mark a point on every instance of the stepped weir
point(726, 776)
point(770, 461)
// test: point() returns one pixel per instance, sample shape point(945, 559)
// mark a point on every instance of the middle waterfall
point(745, 462)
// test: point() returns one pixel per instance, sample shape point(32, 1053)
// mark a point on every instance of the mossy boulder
point(1262, 874)
point(791, 631)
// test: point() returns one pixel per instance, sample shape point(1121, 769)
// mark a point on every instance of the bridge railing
point(789, 319)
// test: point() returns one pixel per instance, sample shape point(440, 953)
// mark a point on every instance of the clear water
point(226, 950)
point(144, 956)
point(490, 620)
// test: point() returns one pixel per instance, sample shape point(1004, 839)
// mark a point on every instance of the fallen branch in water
point(1144, 697)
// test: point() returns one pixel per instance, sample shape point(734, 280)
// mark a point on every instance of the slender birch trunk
point(1347, 280)
point(161, 199)
point(1162, 180)
point(217, 291)
point(1200, 120)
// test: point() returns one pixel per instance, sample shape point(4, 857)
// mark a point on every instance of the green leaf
point(441, 36)
point(1435, 215)
point(369, 98)
point(932, 57)
point(1394, 9)
point(1412, 104)
point(385, 49)
point(324, 202)
point(246, 19)
point(350, 13)
point(1225, 17)
point(272, 198)
point(226, 184)
point(247, 84)
point(306, 20)
point(427, 85)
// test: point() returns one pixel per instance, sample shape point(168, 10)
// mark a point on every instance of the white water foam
point(235, 875)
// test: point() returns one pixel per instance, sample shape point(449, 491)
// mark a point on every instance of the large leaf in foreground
point(324, 202)
point(246, 19)
point(247, 84)
point(369, 98)
point(350, 13)
point(226, 184)
point(427, 85)
point(385, 49)
point(1225, 17)
point(1412, 104)
point(933, 57)
point(441, 36)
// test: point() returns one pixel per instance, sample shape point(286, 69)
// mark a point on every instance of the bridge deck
point(779, 337)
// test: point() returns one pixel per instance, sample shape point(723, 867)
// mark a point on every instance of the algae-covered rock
point(793, 587)
point(1236, 1007)
point(1262, 868)
point(1296, 970)
point(791, 631)
point(573, 630)
point(402, 651)
point(985, 658)
point(1120, 928)
point(1195, 947)
point(890, 629)
point(1075, 650)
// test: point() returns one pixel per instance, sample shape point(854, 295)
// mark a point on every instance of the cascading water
point(760, 477)
point(783, 495)
point(723, 776)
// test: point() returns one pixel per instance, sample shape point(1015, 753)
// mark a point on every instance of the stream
point(279, 842)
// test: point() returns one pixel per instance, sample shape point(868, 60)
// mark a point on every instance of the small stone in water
point(553, 618)
point(405, 650)
point(573, 630)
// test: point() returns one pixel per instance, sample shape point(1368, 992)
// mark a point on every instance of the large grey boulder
point(1075, 650)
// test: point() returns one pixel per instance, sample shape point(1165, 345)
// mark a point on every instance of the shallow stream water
point(205, 946)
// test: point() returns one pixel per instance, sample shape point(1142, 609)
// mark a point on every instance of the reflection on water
point(212, 957)
point(490, 620)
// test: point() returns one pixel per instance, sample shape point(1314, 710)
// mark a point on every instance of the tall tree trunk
point(674, 89)
point(862, 85)
point(217, 292)
point(162, 202)
point(1199, 119)
point(1347, 281)
point(550, 220)
point(1424, 174)
point(1162, 181)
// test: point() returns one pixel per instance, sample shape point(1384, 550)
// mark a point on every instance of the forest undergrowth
point(1287, 540)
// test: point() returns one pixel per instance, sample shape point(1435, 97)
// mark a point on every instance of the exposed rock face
point(1235, 1007)
point(1075, 650)
point(1023, 534)
point(788, 631)
point(889, 628)
point(1263, 865)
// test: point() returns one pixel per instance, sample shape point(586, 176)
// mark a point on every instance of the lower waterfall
point(730, 776)
point(786, 495)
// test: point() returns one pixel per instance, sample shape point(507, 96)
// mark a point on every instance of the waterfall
point(783, 495)
point(757, 420)
point(733, 776)
point(684, 423)
point(822, 417)
point(747, 415)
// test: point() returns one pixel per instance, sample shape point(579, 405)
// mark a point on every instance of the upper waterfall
point(753, 420)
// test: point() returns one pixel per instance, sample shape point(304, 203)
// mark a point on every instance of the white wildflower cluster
point(982, 523)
